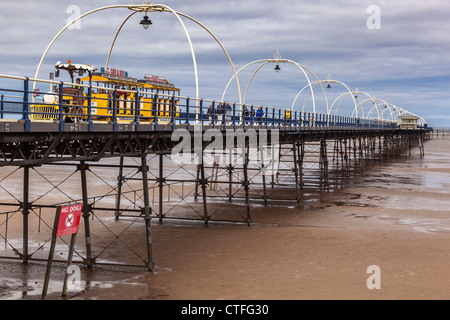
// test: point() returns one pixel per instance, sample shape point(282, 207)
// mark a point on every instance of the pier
point(124, 171)
point(144, 153)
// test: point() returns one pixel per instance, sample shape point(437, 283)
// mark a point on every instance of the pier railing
point(97, 105)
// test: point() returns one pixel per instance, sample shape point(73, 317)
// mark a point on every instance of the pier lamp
point(329, 79)
point(146, 22)
point(277, 57)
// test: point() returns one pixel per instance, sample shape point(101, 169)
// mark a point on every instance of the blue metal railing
point(143, 107)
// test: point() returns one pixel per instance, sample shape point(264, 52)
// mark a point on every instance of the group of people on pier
point(223, 113)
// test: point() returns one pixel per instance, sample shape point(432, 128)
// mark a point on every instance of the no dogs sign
point(69, 220)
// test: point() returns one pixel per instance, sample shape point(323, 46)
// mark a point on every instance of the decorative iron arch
point(277, 59)
point(349, 89)
point(144, 8)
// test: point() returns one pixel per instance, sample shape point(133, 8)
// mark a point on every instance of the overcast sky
point(402, 58)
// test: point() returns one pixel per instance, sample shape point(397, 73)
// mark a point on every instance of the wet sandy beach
point(396, 217)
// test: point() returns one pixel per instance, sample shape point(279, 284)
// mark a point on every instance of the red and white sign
point(115, 72)
point(69, 220)
point(152, 78)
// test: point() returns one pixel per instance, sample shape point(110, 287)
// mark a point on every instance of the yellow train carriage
point(102, 101)
point(113, 94)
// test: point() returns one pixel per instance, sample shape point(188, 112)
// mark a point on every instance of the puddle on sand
point(16, 289)
point(25, 282)
point(31, 289)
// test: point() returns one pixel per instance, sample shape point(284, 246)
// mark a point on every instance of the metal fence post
point(244, 117)
point(61, 107)
point(273, 117)
point(155, 110)
point(234, 116)
point(187, 114)
point(1, 106)
point(89, 117)
point(214, 114)
point(172, 107)
point(279, 118)
point(26, 105)
point(136, 110)
point(114, 116)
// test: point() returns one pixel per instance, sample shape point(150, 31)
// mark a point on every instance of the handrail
point(137, 106)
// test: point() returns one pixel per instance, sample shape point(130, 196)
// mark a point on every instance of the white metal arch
point(349, 89)
point(423, 121)
point(375, 106)
point(355, 94)
point(198, 23)
point(136, 9)
point(388, 106)
point(116, 35)
point(394, 111)
point(266, 61)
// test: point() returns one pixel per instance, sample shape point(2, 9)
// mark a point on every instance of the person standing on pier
point(210, 113)
point(246, 115)
point(259, 115)
point(220, 112)
point(227, 110)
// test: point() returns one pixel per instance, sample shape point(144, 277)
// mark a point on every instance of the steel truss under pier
point(123, 177)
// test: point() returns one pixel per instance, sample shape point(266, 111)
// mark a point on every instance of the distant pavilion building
point(408, 121)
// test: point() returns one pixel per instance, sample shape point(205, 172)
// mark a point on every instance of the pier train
point(110, 97)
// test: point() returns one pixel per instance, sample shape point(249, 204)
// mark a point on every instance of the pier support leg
point(385, 147)
point(230, 180)
point(119, 189)
point(161, 181)
point(324, 162)
point(373, 147)
point(86, 210)
point(146, 210)
point(246, 184)
point(421, 147)
point(341, 152)
point(294, 151)
point(380, 149)
point(263, 170)
point(197, 179)
point(360, 153)
point(346, 158)
point(203, 183)
point(25, 211)
point(301, 157)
